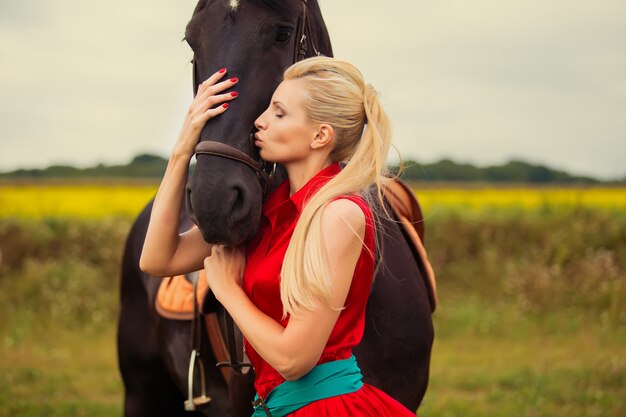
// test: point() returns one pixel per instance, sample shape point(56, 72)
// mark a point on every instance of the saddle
point(407, 210)
point(175, 301)
point(175, 296)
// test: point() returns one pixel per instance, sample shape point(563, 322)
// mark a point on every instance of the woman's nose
point(259, 122)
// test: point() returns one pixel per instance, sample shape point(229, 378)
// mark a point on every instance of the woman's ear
point(324, 137)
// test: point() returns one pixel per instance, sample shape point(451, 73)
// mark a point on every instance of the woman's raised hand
point(207, 104)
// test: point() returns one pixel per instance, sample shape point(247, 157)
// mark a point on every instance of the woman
point(299, 291)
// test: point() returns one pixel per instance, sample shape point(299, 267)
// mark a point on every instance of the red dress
point(261, 283)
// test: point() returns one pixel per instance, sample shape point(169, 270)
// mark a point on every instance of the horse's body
point(255, 41)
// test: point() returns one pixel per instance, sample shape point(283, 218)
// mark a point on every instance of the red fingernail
point(234, 94)
point(234, 80)
point(223, 70)
point(225, 105)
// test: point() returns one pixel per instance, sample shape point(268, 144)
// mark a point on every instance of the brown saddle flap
point(175, 296)
point(406, 208)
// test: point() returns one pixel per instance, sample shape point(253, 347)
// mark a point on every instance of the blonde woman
point(298, 291)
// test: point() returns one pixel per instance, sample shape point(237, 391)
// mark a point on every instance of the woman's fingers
point(211, 80)
point(225, 264)
point(212, 112)
point(208, 103)
point(211, 86)
point(199, 108)
point(218, 99)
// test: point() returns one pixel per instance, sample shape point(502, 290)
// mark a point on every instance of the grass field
point(531, 322)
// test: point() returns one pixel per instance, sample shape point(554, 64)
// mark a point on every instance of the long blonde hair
point(336, 95)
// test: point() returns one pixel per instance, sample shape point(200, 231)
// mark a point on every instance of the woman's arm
point(293, 351)
point(165, 252)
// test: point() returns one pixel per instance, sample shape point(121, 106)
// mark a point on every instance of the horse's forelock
point(233, 4)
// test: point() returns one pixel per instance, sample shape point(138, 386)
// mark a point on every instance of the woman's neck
point(301, 172)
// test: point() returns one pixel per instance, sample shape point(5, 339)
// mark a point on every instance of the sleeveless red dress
point(261, 283)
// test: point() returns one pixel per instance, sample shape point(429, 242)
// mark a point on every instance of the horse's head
point(255, 40)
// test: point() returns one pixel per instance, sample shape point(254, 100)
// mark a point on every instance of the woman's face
point(285, 134)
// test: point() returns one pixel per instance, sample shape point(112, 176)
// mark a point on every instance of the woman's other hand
point(207, 104)
point(224, 268)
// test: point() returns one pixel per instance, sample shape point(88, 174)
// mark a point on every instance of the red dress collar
point(280, 195)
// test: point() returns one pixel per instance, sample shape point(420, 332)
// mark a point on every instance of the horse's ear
point(282, 6)
point(201, 5)
point(320, 35)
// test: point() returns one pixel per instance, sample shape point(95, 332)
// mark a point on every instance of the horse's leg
point(149, 389)
point(395, 351)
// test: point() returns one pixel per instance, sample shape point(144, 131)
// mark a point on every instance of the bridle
point(301, 49)
point(263, 170)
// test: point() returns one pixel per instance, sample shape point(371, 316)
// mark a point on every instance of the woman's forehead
point(290, 93)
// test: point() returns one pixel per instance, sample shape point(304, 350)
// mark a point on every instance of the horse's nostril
point(239, 208)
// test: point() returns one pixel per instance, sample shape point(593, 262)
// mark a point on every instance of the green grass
point(493, 360)
point(60, 372)
point(501, 363)
point(531, 321)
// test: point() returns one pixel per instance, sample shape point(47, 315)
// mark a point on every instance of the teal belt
point(324, 381)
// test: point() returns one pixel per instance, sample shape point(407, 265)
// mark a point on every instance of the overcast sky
point(481, 81)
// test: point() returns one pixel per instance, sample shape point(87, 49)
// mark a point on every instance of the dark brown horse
point(256, 40)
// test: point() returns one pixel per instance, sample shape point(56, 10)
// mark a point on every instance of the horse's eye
point(283, 34)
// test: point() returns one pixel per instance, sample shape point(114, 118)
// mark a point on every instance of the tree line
point(147, 166)
point(512, 171)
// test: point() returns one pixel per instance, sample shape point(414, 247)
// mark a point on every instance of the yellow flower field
point(520, 198)
point(83, 201)
point(100, 201)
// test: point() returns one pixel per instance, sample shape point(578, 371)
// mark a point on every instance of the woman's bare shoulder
point(343, 213)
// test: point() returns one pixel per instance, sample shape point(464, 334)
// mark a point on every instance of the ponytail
point(337, 95)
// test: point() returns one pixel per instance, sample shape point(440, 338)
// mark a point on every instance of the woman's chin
point(267, 157)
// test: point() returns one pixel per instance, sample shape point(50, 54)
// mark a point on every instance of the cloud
point(487, 80)
point(91, 81)
point(482, 81)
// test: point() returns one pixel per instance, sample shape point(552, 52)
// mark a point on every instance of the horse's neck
point(279, 176)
